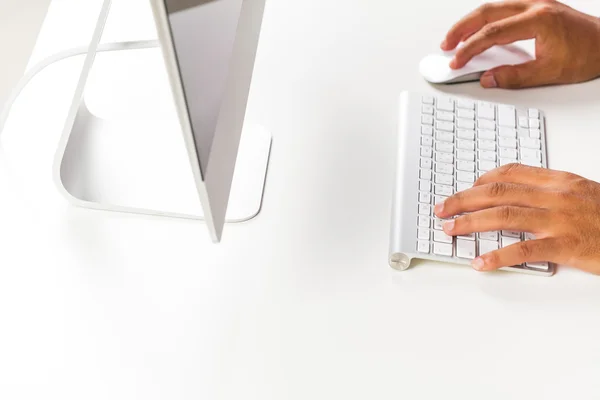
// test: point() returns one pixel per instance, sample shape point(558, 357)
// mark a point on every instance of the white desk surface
point(299, 303)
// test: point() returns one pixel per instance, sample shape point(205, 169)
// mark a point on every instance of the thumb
point(524, 75)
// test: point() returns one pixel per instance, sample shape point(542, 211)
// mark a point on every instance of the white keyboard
point(445, 144)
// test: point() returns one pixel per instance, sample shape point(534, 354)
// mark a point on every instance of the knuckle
point(525, 250)
point(547, 8)
point(496, 189)
point(510, 169)
point(491, 30)
point(505, 213)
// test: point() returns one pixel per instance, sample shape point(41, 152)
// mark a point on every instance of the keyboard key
point(426, 119)
point(427, 141)
point(486, 166)
point(442, 249)
point(533, 113)
point(425, 198)
point(424, 209)
point(506, 116)
point(462, 186)
point(444, 158)
point(543, 266)
point(465, 249)
point(444, 179)
point(530, 143)
point(486, 124)
point(425, 174)
point(507, 153)
point(427, 109)
point(534, 123)
point(523, 122)
point(466, 104)
point(423, 234)
point(443, 168)
point(444, 126)
point(513, 234)
point(441, 237)
point(444, 136)
point(444, 116)
point(465, 134)
point(426, 152)
point(466, 114)
point(427, 130)
point(523, 133)
point(423, 246)
point(535, 155)
point(487, 246)
point(468, 166)
point(444, 147)
point(445, 104)
point(462, 176)
point(465, 124)
point(465, 144)
point(423, 221)
point(486, 110)
point(443, 190)
point(486, 145)
point(535, 134)
point(506, 161)
point(508, 241)
point(507, 132)
point(486, 134)
point(465, 155)
point(529, 236)
point(488, 235)
point(426, 163)
point(438, 224)
point(487, 156)
point(425, 186)
point(427, 99)
point(507, 142)
point(470, 236)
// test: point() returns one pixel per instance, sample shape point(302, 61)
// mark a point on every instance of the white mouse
point(435, 67)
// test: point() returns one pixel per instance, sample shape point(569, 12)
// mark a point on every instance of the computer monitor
point(209, 47)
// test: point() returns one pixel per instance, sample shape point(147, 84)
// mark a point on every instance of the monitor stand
point(122, 147)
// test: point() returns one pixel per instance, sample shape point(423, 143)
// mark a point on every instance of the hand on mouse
point(567, 42)
point(560, 209)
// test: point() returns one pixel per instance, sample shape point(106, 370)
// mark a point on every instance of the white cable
point(76, 51)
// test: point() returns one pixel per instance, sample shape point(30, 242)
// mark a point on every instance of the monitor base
point(141, 166)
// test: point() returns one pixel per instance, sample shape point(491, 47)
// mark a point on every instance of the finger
point(506, 31)
point(529, 74)
point(477, 19)
point(516, 254)
point(525, 175)
point(495, 194)
point(510, 218)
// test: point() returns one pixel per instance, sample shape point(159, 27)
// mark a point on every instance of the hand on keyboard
point(562, 211)
point(566, 42)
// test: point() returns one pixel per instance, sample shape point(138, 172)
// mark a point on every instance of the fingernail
point(478, 263)
point(449, 225)
point(439, 208)
point(443, 45)
point(488, 81)
point(453, 63)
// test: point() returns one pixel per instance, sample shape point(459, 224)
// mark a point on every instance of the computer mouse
point(435, 67)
